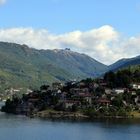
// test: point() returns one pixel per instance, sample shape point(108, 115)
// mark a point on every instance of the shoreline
point(52, 114)
point(47, 114)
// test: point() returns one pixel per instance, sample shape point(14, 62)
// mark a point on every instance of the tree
point(138, 92)
point(110, 78)
point(127, 97)
point(44, 87)
point(117, 101)
point(136, 76)
point(123, 78)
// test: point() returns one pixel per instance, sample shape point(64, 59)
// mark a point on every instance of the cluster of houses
point(96, 95)
point(72, 96)
point(10, 92)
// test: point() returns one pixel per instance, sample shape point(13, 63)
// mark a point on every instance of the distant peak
point(24, 46)
point(62, 50)
point(58, 50)
point(67, 49)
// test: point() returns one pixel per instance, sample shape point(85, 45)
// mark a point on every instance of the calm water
point(22, 128)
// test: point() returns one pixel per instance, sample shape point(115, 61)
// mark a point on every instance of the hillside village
point(89, 97)
point(8, 93)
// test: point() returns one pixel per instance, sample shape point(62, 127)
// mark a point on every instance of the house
point(87, 97)
point(57, 85)
point(103, 84)
point(135, 86)
point(119, 90)
point(137, 101)
point(133, 92)
point(63, 95)
point(81, 84)
point(103, 101)
point(76, 91)
point(68, 104)
point(108, 91)
point(28, 91)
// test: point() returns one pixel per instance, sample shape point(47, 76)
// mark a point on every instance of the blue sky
point(61, 16)
point(103, 29)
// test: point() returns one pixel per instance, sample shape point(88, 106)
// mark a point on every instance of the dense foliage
point(123, 78)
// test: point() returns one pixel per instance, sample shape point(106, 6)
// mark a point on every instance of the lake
point(23, 128)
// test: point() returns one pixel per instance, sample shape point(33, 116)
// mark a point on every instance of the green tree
point(110, 78)
point(117, 101)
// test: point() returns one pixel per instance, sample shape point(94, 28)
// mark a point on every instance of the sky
point(106, 30)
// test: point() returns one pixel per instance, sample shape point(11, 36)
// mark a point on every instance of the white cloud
point(2, 2)
point(104, 44)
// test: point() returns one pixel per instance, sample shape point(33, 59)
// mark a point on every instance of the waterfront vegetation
point(115, 95)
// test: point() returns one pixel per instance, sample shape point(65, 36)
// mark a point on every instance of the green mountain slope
point(24, 66)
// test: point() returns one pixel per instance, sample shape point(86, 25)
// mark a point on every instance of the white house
point(135, 86)
point(118, 90)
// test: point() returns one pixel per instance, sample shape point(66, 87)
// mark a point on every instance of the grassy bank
point(52, 114)
point(135, 114)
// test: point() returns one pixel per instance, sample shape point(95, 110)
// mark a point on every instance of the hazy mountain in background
point(123, 63)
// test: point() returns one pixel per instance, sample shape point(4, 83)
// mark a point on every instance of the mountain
point(24, 66)
point(123, 63)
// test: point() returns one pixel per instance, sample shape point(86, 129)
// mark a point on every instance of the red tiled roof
point(103, 101)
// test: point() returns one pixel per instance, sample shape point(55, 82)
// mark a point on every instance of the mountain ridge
point(125, 62)
point(21, 65)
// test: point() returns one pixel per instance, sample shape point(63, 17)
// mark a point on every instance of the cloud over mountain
point(104, 44)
